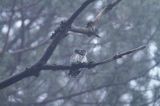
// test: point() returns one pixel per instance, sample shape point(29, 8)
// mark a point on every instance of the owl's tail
point(74, 71)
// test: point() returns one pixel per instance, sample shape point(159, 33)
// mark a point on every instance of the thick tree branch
point(15, 78)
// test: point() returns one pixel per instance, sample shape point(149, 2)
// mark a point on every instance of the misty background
point(133, 80)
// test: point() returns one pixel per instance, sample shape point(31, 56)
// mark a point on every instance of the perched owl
point(79, 56)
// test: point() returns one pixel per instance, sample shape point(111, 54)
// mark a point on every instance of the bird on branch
point(91, 25)
point(92, 28)
point(79, 57)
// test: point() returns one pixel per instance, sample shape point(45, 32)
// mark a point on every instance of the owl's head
point(81, 52)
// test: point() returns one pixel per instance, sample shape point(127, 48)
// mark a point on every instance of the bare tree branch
point(6, 41)
point(46, 41)
point(122, 54)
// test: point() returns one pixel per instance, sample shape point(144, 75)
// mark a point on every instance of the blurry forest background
point(134, 80)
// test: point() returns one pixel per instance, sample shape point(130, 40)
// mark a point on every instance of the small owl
point(79, 56)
